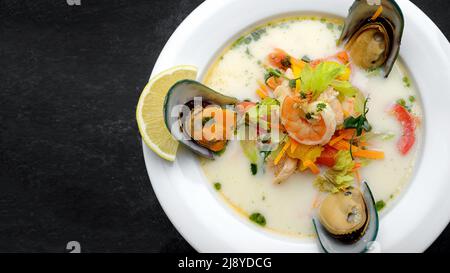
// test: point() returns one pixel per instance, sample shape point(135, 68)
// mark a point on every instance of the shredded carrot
point(334, 140)
point(261, 94)
point(313, 167)
point(363, 143)
point(262, 86)
point(316, 62)
point(282, 152)
point(344, 145)
point(370, 154)
point(272, 82)
point(357, 166)
point(343, 56)
point(347, 133)
point(377, 13)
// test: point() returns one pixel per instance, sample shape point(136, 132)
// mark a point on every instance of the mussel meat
point(347, 221)
point(198, 118)
point(372, 33)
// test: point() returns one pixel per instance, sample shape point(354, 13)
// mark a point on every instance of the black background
point(71, 164)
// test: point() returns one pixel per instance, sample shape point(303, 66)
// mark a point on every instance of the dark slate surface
point(71, 165)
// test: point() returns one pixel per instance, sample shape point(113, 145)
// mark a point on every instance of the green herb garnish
point(321, 106)
point(379, 205)
point(254, 168)
point(306, 59)
point(360, 123)
point(406, 81)
point(270, 72)
point(292, 83)
point(217, 186)
point(258, 218)
point(402, 102)
point(412, 99)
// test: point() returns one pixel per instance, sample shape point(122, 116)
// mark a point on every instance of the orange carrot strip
point(272, 82)
point(262, 86)
point(347, 133)
point(357, 166)
point(377, 13)
point(280, 155)
point(313, 167)
point(343, 57)
point(334, 140)
point(261, 94)
point(344, 145)
point(370, 154)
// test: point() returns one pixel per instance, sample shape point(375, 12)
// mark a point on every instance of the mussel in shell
point(344, 214)
point(198, 118)
point(372, 33)
point(347, 221)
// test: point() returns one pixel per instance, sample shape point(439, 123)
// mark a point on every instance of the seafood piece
point(309, 124)
point(211, 126)
point(347, 221)
point(190, 105)
point(282, 91)
point(372, 34)
point(330, 96)
point(284, 169)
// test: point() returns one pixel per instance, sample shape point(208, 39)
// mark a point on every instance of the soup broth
point(287, 207)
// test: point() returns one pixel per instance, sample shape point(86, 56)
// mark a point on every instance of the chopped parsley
point(292, 83)
point(258, 219)
point(254, 168)
point(406, 81)
point(321, 106)
point(270, 72)
point(247, 39)
point(402, 102)
point(217, 186)
point(360, 123)
point(379, 205)
point(306, 59)
point(412, 99)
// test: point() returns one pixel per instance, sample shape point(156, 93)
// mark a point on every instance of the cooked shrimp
point(330, 97)
point(309, 124)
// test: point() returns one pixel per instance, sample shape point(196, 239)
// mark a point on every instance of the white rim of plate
point(210, 226)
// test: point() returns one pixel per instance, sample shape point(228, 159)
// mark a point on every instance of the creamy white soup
point(287, 206)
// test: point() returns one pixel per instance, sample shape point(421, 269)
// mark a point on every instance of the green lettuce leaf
point(339, 177)
point(345, 88)
point(317, 80)
point(250, 150)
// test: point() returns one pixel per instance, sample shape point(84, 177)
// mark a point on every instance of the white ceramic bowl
point(210, 226)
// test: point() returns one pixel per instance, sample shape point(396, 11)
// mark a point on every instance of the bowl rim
point(171, 184)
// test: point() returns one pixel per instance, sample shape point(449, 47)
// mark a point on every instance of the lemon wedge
point(149, 111)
